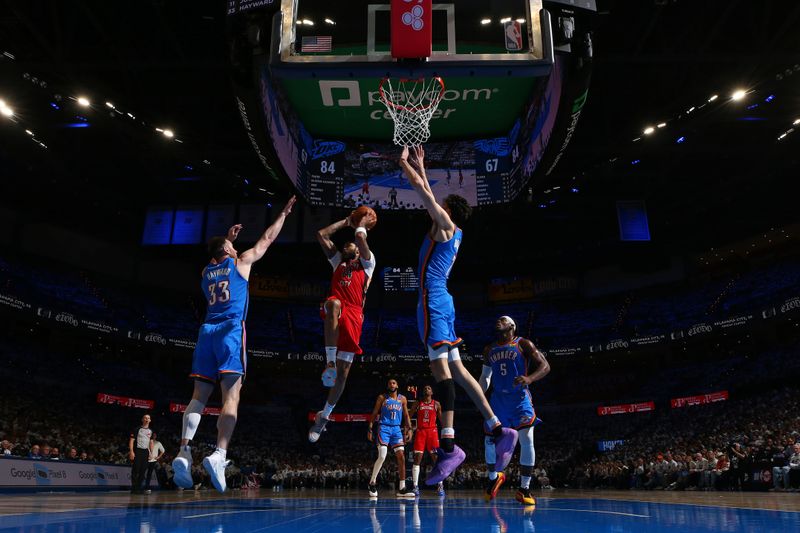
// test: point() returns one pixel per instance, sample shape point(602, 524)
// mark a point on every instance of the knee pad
point(527, 453)
point(453, 354)
point(399, 449)
point(446, 391)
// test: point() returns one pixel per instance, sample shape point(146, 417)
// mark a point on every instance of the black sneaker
point(406, 492)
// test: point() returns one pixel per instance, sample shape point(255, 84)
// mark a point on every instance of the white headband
point(513, 324)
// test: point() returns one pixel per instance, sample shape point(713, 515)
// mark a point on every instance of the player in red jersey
point(343, 311)
point(426, 438)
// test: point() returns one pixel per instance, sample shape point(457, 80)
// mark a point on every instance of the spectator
point(72, 454)
point(54, 454)
point(156, 452)
point(34, 453)
point(46, 451)
point(84, 457)
point(794, 467)
point(7, 447)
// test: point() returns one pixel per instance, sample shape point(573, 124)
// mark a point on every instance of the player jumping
point(436, 321)
point(506, 364)
point(220, 354)
point(343, 311)
point(391, 408)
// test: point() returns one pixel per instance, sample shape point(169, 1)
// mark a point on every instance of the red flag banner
point(700, 399)
point(343, 417)
point(625, 408)
point(124, 401)
point(181, 407)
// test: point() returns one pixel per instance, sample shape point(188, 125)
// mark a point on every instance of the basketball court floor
point(337, 511)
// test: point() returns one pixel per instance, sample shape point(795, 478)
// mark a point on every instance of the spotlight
point(661, 125)
point(521, 21)
point(110, 105)
point(713, 97)
point(6, 111)
point(29, 132)
point(738, 94)
point(308, 22)
point(648, 130)
point(796, 122)
point(329, 21)
point(484, 22)
point(168, 134)
point(505, 19)
point(83, 101)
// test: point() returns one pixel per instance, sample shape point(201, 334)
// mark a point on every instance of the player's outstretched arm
point(324, 237)
point(542, 367)
point(420, 184)
point(486, 372)
point(255, 253)
point(233, 232)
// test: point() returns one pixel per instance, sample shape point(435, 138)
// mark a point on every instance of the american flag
point(321, 43)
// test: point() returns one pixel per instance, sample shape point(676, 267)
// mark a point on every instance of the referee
point(140, 446)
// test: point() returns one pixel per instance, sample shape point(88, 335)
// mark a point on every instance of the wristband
point(361, 229)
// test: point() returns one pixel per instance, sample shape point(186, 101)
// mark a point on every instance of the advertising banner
point(700, 399)
point(181, 407)
point(125, 401)
point(626, 408)
point(23, 473)
point(343, 417)
point(511, 289)
point(608, 445)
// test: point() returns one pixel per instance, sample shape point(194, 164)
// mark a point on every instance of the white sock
point(448, 433)
point(525, 482)
point(220, 451)
point(327, 410)
point(492, 475)
point(191, 419)
point(415, 475)
point(402, 484)
point(330, 353)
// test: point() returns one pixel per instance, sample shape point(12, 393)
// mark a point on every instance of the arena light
point(521, 21)
point(484, 22)
point(796, 122)
point(662, 124)
point(649, 130)
point(169, 134)
point(738, 94)
point(6, 111)
point(29, 132)
point(505, 19)
point(308, 22)
point(110, 105)
point(713, 97)
point(83, 101)
point(690, 110)
point(680, 139)
point(329, 21)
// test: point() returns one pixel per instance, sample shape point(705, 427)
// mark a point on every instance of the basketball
point(360, 212)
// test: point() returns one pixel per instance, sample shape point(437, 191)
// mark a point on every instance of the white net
point(411, 104)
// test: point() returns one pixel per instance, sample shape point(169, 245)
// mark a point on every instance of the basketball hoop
point(411, 104)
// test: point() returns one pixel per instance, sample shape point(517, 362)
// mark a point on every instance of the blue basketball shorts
point(221, 349)
point(391, 436)
point(515, 410)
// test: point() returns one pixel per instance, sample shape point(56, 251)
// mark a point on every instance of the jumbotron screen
point(400, 279)
point(344, 172)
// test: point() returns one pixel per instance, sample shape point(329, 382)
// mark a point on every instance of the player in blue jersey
point(390, 411)
point(510, 365)
point(220, 352)
point(436, 321)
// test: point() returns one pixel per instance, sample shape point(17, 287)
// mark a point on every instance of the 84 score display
point(325, 180)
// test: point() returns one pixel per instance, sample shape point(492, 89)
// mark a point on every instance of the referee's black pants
point(139, 468)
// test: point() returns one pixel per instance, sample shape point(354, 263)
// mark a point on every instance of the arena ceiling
point(167, 64)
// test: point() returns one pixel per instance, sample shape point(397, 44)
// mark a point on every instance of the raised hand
point(404, 154)
point(288, 207)
point(233, 232)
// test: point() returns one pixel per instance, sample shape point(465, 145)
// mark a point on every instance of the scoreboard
point(400, 279)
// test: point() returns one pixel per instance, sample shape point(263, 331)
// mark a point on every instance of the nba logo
point(513, 30)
